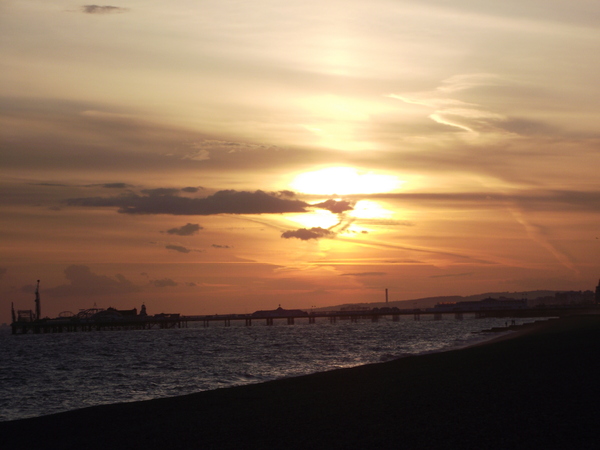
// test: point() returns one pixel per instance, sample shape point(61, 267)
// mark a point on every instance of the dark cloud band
point(165, 201)
point(96, 9)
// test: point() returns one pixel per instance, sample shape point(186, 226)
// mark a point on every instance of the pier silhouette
point(96, 319)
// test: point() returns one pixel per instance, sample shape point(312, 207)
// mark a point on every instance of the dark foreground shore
point(538, 389)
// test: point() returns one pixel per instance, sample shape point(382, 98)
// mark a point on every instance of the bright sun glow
point(344, 181)
point(367, 209)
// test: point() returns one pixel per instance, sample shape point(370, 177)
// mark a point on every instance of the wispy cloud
point(538, 234)
point(164, 282)
point(534, 200)
point(105, 9)
point(453, 275)
point(306, 234)
point(364, 274)
point(447, 110)
point(186, 230)
point(177, 248)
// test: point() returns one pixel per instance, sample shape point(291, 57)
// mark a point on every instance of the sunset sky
point(224, 156)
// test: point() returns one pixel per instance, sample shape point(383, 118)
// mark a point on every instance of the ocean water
point(49, 373)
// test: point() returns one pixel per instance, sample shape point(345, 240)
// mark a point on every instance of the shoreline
point(531, 387)
point(44, 404)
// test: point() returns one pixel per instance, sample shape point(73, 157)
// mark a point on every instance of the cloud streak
point(307, 234)
point(364, 274)
point(165, 201)
point(538, 234)
point(465, 116)
point(164, 282)
point(538, 200)
point(106, 9)
point(177, 248)
point(186, 230)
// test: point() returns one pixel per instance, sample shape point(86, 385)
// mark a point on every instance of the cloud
point(388, 222)
point(116, 185)
point(531, 200)
point(111, 185)
point(186, 230)
point(335, 206)
point(220, 246)
point(210, 148)
point(84, 282)
point(459, 114)
point(165, 201)
point(538, 234)
point(160, 192)
point(177, 248)
point(306, 234)
point(164, 282)
point(50, 184)
point(364, 274)
point(96, 9)
point(453, 275)
point(284, 193)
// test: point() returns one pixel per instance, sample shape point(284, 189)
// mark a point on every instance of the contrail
point(536, 234)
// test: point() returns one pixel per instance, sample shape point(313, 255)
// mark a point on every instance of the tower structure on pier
point(38, 307)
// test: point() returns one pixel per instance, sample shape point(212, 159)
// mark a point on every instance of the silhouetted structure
point(38, 307)
point(96, 319)
point(93, 319)
point(280, 312)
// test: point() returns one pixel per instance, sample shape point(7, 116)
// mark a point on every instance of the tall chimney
point(386, 296)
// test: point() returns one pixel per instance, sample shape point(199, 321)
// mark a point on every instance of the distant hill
point(429, 302)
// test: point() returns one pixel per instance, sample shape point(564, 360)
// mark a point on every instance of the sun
point(344, 181)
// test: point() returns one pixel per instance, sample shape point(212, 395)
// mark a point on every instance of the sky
point(207, 157)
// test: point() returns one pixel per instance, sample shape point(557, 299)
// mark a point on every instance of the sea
point(43, 374)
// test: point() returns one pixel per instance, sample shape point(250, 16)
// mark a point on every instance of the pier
point(170, 321)
point(96, 319)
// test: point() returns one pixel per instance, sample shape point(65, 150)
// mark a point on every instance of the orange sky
point(224, 156)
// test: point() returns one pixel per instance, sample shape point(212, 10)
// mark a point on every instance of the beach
point(534, 388)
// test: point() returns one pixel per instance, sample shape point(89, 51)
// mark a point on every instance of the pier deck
point(166, 321)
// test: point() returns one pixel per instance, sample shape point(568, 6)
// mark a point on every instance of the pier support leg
point(417, 316)
point(248, 322)
point(311, 320)
point(332, 319)
point(269, 321)
point(290, 321)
